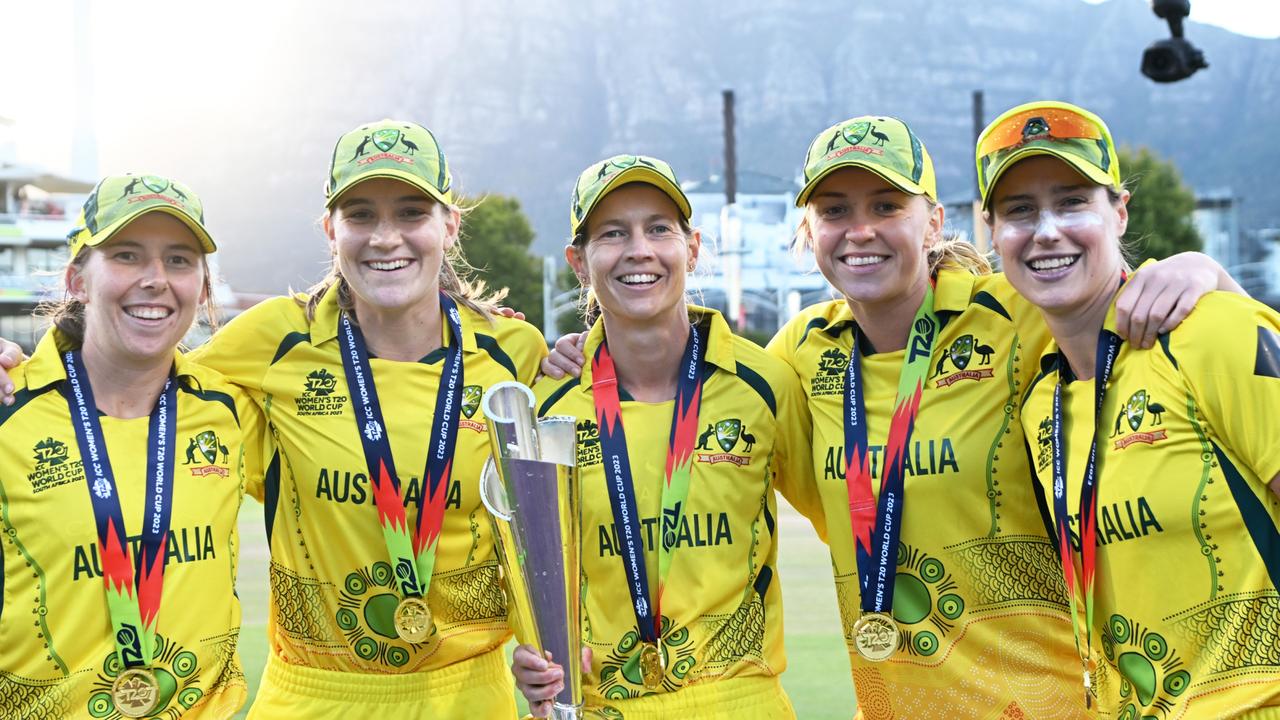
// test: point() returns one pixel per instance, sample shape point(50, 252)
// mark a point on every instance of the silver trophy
point(530, 487)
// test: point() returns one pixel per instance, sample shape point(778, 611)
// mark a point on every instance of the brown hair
point(951, 252)
point(457, 279)
point(67, 314)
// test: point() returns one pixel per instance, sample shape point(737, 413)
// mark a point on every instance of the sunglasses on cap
point(1073, 134)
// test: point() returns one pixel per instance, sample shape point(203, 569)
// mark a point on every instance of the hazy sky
point(144, 44)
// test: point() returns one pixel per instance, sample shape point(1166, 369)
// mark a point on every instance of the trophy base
point(560, 711)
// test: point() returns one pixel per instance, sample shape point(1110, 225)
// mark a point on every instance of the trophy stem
point(560, 711)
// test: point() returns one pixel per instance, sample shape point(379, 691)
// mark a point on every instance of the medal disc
point(413, 620)
point(876, 636)
point(135, 692)
point(652, 666)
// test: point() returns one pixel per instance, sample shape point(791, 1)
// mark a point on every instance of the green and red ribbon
point(677, 473)
point(876, 553)
point(134, 587)
point(412, 551)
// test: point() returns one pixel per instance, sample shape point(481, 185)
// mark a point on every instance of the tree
point(1161, 209)
point(496, 237)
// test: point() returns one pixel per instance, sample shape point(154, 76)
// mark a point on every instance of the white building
point(37, 211)
point(747, 252)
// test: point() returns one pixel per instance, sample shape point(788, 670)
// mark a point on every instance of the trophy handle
point(492, 493)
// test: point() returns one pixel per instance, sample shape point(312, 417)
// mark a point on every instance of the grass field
point(817, 677)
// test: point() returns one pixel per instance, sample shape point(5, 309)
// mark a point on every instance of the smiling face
point(636, 254)
point(1058, 235)
point(140, 290)
point(869, 237)
point(389, 240)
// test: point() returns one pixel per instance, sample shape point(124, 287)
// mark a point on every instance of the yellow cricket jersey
point(979, 596)
point(722, 609)
point(1187, 614)
point(332, 591)
point(57, 651)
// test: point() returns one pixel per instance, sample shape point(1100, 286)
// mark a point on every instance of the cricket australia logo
point(828, 379)
point(854, 135)
point(1131, 416)
point(588, 443)
point(727, 434)
point(386, 140)
point(960, 355)
point(206, 446)
point(52, 468)
point(319, 395)
point(470, 403)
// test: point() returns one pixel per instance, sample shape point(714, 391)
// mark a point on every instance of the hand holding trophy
point(530, 486)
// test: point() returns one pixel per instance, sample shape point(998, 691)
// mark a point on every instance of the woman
point(692, 627)
point(104, 411)
point(970, 620)
point(1162, 452)
point(384, 582)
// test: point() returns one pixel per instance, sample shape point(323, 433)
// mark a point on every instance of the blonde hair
point(951, 252)
point(457, 280)
point(67, 314)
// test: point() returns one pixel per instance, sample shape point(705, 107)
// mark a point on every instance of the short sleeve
point(1228, 350)
point(244, 348)
point(794, 474)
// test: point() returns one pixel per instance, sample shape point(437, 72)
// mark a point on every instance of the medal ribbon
point(877, 553)
point(412, 551)
point(133, 586)
point(621, 487)
point(1108, 348)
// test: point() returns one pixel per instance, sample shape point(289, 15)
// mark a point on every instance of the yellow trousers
point(480, 687)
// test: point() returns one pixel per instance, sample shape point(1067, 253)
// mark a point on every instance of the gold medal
point(653, 666)
point(135, 692)
point(413, 620)
point(876, 636)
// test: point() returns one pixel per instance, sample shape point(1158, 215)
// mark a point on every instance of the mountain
point(523, 95)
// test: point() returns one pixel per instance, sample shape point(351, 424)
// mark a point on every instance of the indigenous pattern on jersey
point(979, 595)
point(722, 607)
point(57, 650)
point(1186, 609)
point(333, 593)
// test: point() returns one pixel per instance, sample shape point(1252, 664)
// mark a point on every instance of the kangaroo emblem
point(832, 145)
point(880, 137)
point(191, 452)
point(705, 437)
point(131, 187)
point(361, 147)
point(942, 364)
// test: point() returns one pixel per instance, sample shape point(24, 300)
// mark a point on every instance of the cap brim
point(410, 178)
point(893, 179)
point(639, 173)
point(206, 240)
point(1087, 169)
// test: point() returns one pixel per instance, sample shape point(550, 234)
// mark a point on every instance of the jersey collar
point(719, 342)
point(952, 293)
point(325, 325)
point(45, 367)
